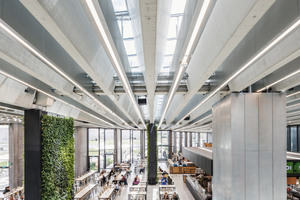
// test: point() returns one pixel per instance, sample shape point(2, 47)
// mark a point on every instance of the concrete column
point(199, 139)
point(180, 141)
point(170, 144)
point(142, 146)
point(119, 146)
point(185, 139)
point(81, 151)
point(175, 142)
point(116, 152)
point(191, 139)
point(16, 152)
point(249, 147)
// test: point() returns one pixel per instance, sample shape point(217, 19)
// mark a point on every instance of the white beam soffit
point(49, 24)
point(24, 43)
point(189, 46)
point(248, 64)
point(51, 96)
point(106, 39)
point(148, 17)
point(217, 52)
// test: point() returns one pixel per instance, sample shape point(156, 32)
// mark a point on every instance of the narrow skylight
point(177, 10)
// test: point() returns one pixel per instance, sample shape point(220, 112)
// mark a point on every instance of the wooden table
point(107, 194)
point(119, 177)
point(84, 191)
point(85, 176)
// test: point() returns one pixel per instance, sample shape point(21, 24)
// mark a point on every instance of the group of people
point(7, 190)
point(179, 159)
point(174, 196)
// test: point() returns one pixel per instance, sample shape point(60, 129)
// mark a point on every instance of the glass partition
point(4, 159)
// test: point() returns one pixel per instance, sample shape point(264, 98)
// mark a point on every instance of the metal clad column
point(142, 142)
point(249, 147)
point(81, 151)
point(191, 139)
point(152, 158)
point(33, 154)
point(180, 141)
point(170, 144)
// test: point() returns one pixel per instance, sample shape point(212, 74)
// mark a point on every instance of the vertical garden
point(57, 143)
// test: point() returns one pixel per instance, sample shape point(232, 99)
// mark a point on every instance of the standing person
point(6, 190)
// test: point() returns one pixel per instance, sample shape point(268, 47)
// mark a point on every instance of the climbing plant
point(57, 158)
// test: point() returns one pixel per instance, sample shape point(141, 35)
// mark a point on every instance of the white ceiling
point(55, 56)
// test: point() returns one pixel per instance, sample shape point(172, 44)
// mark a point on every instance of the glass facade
point(183, 139)
point(4, 159)
point(126, 145)
point(293, 138)
point(163, 144)
point(177, 142)
point(136, 145)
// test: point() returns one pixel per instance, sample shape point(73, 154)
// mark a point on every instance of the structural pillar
point(81, 151)
point(152, 158)
point(33, 163)
point(199, 139)
point(116, 145)
point(185, 139)
point(249, 147)
point(175, 142)
point(16, 149)
point(142, 146)
point(180, 141)
point(170, 144)
point(191, 139)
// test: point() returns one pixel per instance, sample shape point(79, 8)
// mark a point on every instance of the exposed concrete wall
point(81, 151)
point(16, 149)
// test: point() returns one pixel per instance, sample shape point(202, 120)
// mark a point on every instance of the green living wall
point(148, 152)
point(57, 158)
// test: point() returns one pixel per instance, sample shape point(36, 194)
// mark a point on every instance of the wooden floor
point(181, 188)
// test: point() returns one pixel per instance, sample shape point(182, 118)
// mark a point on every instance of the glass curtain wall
point(126, 146)
point(162, 145)
point(173, 142)
point(109, 148)
point(177, 142)
point(194, 139)
point(293, 138)
point(183, 139)
point(93, 149)
point(4, 159)
point(136, 145)
point(188, 139)
point(102, 142)
point(146, 144)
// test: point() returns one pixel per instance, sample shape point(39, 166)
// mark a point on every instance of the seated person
point(165, 196)
point(103, 180)
point(136, 180)
point(164, 181)
point(175, 196)
point(6, 190)
point(142, 168)
point(160, 169)
point(115, 181)
point(123, 180)
point(117, 187)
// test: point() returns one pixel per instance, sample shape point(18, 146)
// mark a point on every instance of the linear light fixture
point(115, 60)
point(187, 54)
point(293, 112)
point(289, 152)
point(248, 64)
point(49, 95)
point(297, 104)
point(290, 157)
point(41, 57)
point(282, 79)
point(293, 94)
point(190, 125)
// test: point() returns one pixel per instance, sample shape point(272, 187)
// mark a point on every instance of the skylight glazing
point(177, 10)
point(125, 26)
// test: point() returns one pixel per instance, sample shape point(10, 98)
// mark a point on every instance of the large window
point(188, 139)
point(173, 142)
point(183, 139)
point(163, 144)
point(293, 138)
point(102, 164)
point(93, 149)
point(126, 150)
point(194, 139)
point(177, 141)
point(109, 148)
point(136, 142)
point(4, 158)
